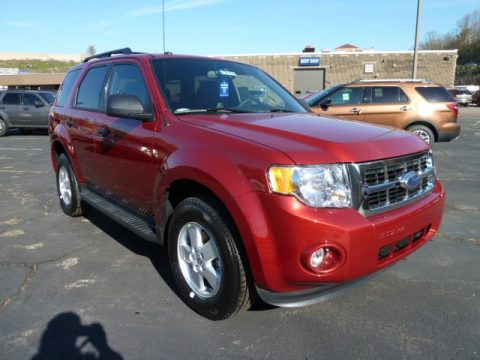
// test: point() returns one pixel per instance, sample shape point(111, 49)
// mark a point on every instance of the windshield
point(213, 86)
point(49, 97)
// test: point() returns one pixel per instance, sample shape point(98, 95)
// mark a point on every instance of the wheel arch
point(424, 123)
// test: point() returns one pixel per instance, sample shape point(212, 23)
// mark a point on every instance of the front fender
point(232, 183)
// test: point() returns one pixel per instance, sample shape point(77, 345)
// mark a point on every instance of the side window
point(30, 99)
point(127, 79)
point(67, 86)
point(11, 99)
point(388, 95)
point(348, 96)
point(91, 88)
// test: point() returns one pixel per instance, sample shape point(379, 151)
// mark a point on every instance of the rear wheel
point(205, 260)
point(3, 127)
point(67, 188)
point(423, 133)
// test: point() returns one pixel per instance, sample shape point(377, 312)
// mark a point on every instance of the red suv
point(251, 194)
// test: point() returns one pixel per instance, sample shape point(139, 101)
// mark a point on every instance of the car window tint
point(388, 95)
point(30, 99)
point(11, 99)
point(48, 97)
point(347, 96)
point(435, 94)
point(66, 87)
point(91, 88)
point(127, 79)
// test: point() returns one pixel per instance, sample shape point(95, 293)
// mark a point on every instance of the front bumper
point(293, 227)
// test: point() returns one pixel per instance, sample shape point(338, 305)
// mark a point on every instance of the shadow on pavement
point(66, 338)
point(156, 253)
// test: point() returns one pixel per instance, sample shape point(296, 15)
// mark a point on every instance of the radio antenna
point(163, 22)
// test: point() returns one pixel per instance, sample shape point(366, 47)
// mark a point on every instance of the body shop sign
point(309, 61)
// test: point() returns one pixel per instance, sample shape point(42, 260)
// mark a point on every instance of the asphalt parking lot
point(86, 288)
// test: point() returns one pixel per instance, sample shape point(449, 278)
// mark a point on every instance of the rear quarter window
point(435, 94)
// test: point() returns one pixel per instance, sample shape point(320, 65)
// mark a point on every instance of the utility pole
point(418, 30)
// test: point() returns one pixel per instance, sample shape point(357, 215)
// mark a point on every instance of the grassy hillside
point(38, 66)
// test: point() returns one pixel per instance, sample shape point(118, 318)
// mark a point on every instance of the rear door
point(389, 106)
point(346, 102)
point(81, 120)
point(11, 107)
point(124, 156)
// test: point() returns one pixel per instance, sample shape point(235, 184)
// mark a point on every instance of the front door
point(124, 155)
point(34, 111)
point(346, 102)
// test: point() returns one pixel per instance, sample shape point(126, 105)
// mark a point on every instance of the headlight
point(317, 186)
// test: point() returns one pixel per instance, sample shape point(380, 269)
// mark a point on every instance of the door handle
point(2, 107)
point(69, 123)
point(405, 108)
point(356, 110)
point(103, 131)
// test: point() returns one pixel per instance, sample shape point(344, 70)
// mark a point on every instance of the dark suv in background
point(24, 109)
point(423, 107)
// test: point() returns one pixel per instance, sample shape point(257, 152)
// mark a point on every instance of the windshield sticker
point(345, 96)
point(227, 73)
point(224, 88)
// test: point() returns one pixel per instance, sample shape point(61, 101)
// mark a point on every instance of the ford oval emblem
point(410, 181)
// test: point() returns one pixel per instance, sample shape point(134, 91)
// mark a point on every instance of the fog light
point(323, 259)
point(317, 257)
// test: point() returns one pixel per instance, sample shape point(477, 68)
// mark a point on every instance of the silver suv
point(463, 96)
point(24, 109)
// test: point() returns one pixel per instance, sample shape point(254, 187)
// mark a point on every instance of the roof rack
point(124, 51)
point(395, 80)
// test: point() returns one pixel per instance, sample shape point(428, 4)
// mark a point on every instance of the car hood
point(312, 139)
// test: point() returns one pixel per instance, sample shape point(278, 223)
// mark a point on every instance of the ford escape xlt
point(251, 194)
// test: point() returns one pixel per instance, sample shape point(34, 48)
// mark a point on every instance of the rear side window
point(91, 89)
point(388, 95)
point(11, 99)
point(67, 87)
point(435, 94)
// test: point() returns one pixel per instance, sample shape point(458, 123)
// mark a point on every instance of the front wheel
point(423, 133)
point(205, 261)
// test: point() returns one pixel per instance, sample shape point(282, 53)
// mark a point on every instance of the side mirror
point(325, 104)
point(39, 104)
point(127, 106)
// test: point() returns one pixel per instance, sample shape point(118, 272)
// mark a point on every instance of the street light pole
point(418, 30)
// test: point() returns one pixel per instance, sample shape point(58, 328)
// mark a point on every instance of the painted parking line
point(19, 149)
point(24, 171)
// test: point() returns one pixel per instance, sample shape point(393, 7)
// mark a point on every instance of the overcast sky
point(209, 27)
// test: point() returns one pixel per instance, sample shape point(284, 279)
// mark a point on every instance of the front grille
point(394, 182)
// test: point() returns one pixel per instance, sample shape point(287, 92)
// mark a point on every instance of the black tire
point(423, 132)
point(232, 293)
point(3, 127)
point(71, 205)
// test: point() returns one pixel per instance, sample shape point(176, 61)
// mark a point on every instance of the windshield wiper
point(281, 110)
point(210, 110)
point(227, 110)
